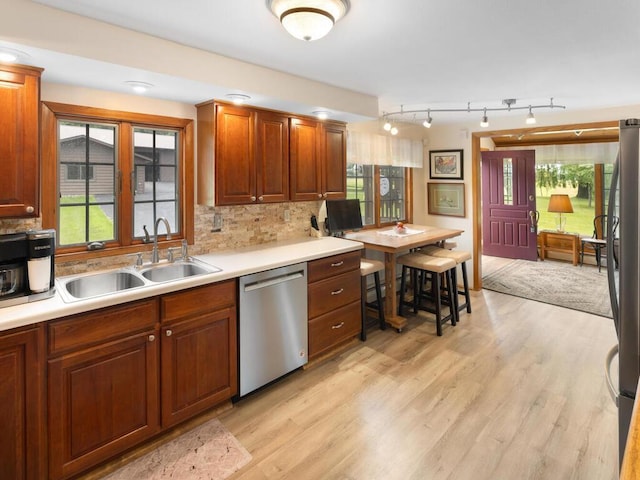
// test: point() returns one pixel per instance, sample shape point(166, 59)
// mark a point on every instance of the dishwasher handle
point(273, 281)
point(611, 354)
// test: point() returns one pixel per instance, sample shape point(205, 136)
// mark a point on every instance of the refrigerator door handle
point(611, 354)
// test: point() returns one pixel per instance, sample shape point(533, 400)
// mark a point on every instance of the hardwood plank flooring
point(515, 390)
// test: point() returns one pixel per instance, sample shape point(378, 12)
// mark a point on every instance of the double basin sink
point(92, 285)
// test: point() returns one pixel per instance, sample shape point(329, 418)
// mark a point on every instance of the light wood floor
point(515, 391)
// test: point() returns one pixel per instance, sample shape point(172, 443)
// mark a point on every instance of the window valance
point(374, 149)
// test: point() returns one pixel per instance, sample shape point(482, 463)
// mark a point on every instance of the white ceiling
point(416, 53)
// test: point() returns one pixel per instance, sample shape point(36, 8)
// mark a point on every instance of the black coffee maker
point(27, 270)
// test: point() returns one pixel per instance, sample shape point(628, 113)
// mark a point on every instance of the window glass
point(383, 200)
point(507, 181)
point(155, 178)
point(87, 165)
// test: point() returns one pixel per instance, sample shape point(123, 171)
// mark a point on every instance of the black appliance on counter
point(27, 270)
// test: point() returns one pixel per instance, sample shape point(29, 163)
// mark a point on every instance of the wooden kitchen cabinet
point(102, 385)
point(199, 353)
point(333, 302)
point(250, 152)
point(318, 160)
point(19, 141)
point(22, 438)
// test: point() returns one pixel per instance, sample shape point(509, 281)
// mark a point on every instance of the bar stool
point(433, 266)
point(460, 257)
point(368, 267)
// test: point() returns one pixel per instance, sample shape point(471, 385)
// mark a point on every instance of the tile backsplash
point(242, 226)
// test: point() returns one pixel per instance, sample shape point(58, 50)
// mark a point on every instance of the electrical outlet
point(287, 215)
point(217, 222)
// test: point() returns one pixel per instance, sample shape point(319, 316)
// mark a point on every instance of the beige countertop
point(233, 264)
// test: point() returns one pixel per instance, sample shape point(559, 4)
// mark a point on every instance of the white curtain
point(374, 149)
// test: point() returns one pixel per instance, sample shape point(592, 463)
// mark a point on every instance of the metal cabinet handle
point(261, 198)
point(338, 264)
point(30, 209)
point(253, 198)
point(169, 333)
point(319, 195)
point(335, 327)
point(337, 292)
point(152, 338)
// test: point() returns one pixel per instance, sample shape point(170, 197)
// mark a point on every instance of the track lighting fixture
point(531, 120)
point(484, 123)
point(426, 120)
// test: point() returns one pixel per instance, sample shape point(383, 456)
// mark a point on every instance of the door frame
point(476, 175)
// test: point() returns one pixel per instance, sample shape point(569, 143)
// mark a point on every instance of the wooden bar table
point(392, 244)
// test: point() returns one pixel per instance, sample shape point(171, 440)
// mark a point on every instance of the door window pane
point(507, 176)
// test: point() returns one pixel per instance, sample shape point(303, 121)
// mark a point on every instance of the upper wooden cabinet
point(262, 156)
point(318, 160)
point(250, 152)
point(19, 141)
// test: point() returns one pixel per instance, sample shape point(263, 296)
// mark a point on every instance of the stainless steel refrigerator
point(624, 284)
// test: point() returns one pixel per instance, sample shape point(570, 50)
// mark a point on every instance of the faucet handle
point(185, 249)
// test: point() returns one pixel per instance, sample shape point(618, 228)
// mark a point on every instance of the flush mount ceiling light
point(139, 87)
point(308, 19)
point(426, 119)
point(237, 98)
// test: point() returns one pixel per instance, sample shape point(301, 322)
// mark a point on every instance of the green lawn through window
point(72, 223)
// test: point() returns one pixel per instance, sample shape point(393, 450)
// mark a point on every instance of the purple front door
point(509, 204)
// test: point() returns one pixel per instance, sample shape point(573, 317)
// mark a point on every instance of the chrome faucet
point(155, 257)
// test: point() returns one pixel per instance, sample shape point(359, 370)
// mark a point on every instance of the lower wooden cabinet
point(119, 375)
point(333, 302)
point(22, 438)
point(199, 353)
point(103, 392)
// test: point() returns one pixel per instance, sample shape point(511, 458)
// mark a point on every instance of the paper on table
point(394, 233)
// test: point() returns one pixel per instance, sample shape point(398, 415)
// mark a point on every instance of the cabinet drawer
point(333, 293)
point(334, 265)
point(334, 327)
point(85, 329)
point(198, 300)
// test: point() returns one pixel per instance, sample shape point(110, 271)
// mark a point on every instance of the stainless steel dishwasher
point(273, 325)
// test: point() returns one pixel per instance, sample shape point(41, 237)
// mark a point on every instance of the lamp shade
point(309, 19)
point(560, 203)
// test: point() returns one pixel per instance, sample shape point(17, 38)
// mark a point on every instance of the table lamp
point(560, 203)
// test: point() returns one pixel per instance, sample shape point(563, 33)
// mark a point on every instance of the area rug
point(208, 452)
point(580, 288)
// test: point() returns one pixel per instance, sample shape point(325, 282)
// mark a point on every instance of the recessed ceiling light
point(321, 114)
point(10, 55)
point(238, 98)
point(139, 87)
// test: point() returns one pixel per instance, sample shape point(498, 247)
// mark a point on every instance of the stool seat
point(426, 262)
point(368, 266)
point(449, 245)
point(458, 256)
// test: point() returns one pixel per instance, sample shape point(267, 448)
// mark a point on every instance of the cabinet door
point(102, 401)
point(272, 157)
point(334, 172)
point(305, 154)
point(199, 364)
point(19, 148)
point(235, 170)
point(21, 401)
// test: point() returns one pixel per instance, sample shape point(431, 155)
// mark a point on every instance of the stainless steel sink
point(175, 271)
point(101, 284)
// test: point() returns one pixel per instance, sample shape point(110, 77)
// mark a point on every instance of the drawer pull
point(337, 292)
point(335, 327)
point(169, 333)
point(338, 264)
point(152, 338)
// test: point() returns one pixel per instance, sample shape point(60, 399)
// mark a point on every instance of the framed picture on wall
point(446, 199)
point(445, 164)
